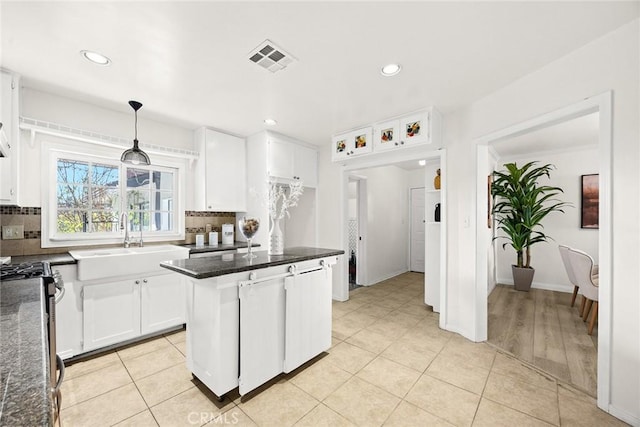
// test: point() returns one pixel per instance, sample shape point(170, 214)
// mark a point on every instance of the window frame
point(52, 151)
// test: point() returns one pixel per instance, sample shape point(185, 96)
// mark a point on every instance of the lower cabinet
point(117, 311)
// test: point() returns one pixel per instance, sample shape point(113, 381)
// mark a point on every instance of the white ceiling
point(187, 61)
point(577, 133)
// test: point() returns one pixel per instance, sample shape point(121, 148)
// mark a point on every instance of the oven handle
point(57, 394)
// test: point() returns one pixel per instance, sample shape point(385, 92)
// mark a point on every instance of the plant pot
point(522, 277)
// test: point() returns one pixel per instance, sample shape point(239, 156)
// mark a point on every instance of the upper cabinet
point(221, 172)
point(352, 144)
point(9, 138)
point(419, 128)
point(289, 161)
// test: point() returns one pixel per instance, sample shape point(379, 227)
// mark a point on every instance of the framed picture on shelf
point(590, 191)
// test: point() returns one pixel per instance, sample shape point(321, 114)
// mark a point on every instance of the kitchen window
point(95, 196)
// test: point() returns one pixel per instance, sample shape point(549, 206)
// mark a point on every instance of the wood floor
point(540, 327)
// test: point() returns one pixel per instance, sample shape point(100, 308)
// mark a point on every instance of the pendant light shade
point(135, 155)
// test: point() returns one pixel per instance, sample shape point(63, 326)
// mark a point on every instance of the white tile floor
point(390, 364)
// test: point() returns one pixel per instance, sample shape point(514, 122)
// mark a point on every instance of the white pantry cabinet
point(10, 135)
point(117, 311)
point(221, 172)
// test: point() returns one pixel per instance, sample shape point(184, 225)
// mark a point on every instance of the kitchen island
point(248, 320)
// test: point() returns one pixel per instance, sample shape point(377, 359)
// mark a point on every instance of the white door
point(162, 301)
point(417, 229)
point(111, 313)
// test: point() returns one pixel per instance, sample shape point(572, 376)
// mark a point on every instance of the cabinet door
point(414, 129)
point(162, 302)
point(261, 332)
point(69, 314)
point(111, 313)
point(360, 141)
point(281, 159)
point(226, 172)
point(308, 316)
point(8, 165)
point(339, 147)
point(305, 164)
point(386, 136)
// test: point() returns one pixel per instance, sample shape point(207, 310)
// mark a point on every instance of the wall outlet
point(12, 232)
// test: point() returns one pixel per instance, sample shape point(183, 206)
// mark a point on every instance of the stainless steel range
point(54, 290)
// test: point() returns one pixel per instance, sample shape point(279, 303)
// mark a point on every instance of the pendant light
point(135, 155)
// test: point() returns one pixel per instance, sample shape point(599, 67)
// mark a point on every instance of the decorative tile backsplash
point(31, 218)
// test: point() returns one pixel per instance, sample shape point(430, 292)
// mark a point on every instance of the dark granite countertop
point(193, 249)
point(202, 268)
point(24, 373)
point(54, 259)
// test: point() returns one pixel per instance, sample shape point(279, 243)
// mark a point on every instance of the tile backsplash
point(31, 218)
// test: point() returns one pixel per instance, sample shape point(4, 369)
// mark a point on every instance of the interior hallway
point(540, 327)
point(390, 365)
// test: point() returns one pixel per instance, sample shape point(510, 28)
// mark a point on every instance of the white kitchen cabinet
point(120, 310)
point(221, 172)
point(308, 314)
point(111, 313)
point(415, 129)
point(9, 138)
point(288, 161)
point(162, 302)
point(352, 144)
point(69, 313)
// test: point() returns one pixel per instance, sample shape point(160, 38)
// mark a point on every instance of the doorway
point(486, 250)
point(357, 224)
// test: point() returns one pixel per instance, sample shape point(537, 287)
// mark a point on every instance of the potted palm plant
point(520, 205)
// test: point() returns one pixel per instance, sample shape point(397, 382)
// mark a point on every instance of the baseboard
point(386, 277)
point(537, 285)
point(625, 416)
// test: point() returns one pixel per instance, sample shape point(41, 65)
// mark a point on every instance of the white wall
point(299, 228)
point(609, 63)
point(40, 105)
point(387, 222)
point(562, 228)
point(416, 178)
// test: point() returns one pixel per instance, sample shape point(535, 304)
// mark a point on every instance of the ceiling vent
point(271, 57)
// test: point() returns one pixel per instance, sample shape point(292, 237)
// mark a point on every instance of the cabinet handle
point(396, 143)
point(144, 281)
point(137, 282)
point(401, 142)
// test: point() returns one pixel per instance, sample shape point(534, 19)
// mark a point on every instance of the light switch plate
point(12, 232)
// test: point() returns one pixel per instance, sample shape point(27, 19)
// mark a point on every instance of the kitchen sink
point(95, 264)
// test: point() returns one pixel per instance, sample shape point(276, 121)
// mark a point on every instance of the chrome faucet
point(124, 226)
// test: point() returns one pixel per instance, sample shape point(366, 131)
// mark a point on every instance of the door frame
point(602, 104)
point(341, 282)
point(362, 218)
point(424, 189)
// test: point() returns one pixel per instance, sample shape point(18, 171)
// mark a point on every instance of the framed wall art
point(590, 191)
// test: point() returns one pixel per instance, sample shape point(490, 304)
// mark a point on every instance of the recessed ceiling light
point(390, 70)
point(95, 57)
point(422, 162)
point(270, 122)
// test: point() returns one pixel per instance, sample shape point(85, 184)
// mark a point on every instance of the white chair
point(582, 266)
point(564, 254)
